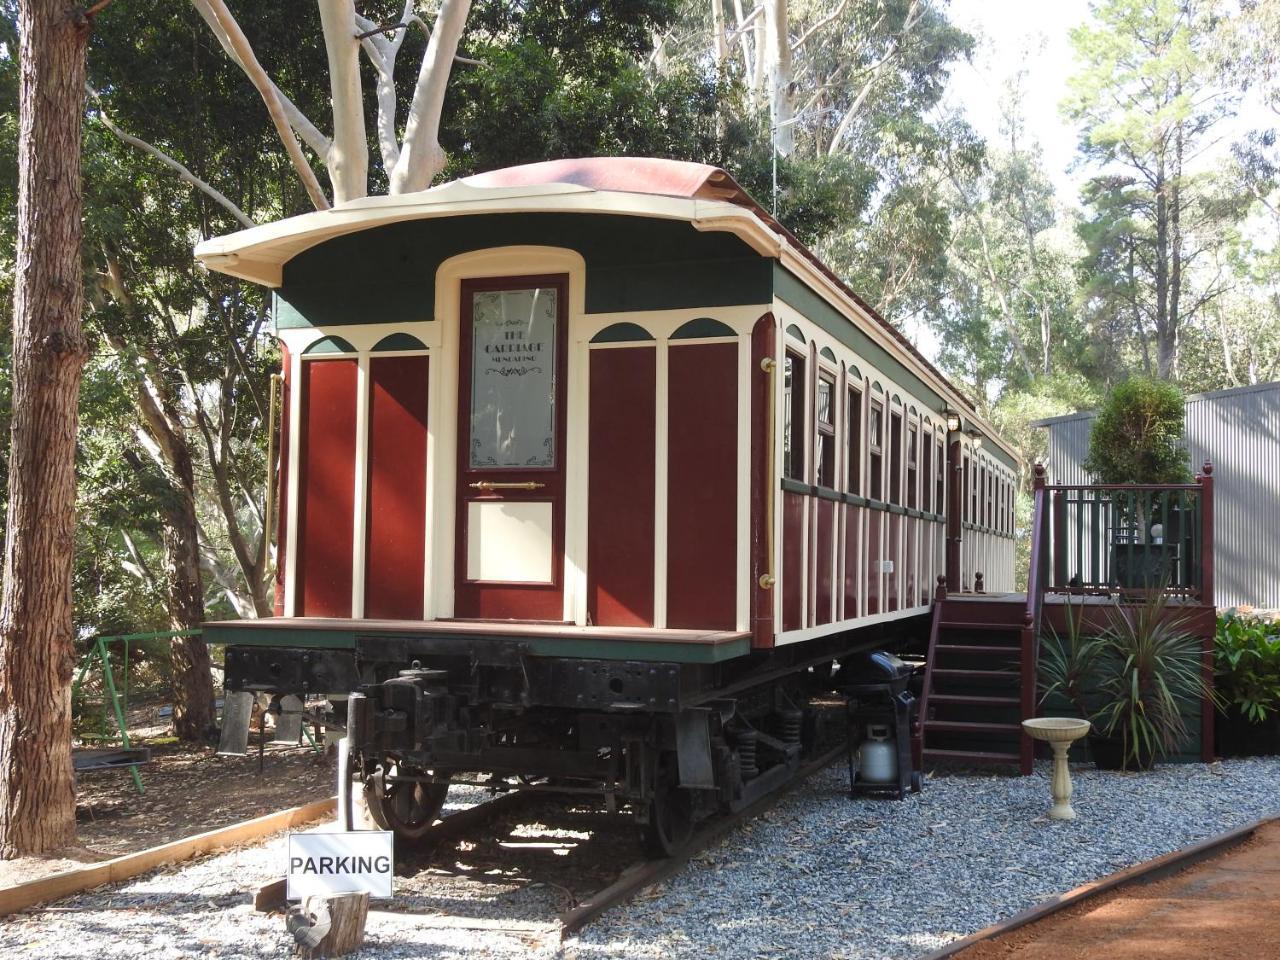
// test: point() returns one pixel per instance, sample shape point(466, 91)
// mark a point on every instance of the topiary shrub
point(1137, 436)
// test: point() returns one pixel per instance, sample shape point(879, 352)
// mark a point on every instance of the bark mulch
point(189, 790)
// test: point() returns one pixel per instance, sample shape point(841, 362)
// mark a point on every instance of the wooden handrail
point(1122, 486)
point(1030, 635)
point(922, 713)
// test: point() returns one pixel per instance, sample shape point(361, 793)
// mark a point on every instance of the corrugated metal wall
point(1239, 432)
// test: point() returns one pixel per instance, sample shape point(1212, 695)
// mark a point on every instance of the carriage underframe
point(670, 741)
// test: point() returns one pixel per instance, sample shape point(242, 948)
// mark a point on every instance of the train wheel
point(408, 808)
point(670, 814)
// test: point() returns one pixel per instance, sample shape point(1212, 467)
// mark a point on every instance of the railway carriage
point(591, 474)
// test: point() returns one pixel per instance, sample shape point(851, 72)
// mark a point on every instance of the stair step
point(971, 726)
point(974, 648)
point(985, 625)
point(974, 700)
point(975, 674)
point(977, 756)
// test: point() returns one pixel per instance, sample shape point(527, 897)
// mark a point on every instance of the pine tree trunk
point(37, 791)
point(193, 709)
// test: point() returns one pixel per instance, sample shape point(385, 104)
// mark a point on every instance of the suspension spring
point(745, 741)
point(790, 725)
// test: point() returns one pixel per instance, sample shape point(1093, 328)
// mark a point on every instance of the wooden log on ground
point(329, 926)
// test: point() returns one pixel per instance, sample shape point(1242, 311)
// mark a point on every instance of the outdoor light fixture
point(953, 422)
point(975, 437)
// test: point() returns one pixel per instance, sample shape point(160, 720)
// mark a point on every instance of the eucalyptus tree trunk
point(778, 56)
point(193, 707)
point(37, 791)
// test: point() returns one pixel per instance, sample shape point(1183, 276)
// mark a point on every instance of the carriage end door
point(509, 560)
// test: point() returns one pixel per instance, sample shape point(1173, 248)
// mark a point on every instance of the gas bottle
point(878, 756)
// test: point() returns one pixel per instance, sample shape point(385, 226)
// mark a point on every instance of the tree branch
point(348, 159)
point(420, 154)
point(795, 47)
point(225, 27)
point(169, 162)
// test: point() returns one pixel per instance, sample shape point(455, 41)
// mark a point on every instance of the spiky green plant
point(1069, 665)
point(1150, 673)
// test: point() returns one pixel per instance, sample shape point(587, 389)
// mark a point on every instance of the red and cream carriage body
point(608, 411)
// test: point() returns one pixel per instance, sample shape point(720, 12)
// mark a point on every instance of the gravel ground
point(819, 876)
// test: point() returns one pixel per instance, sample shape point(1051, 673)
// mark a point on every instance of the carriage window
point(983, 492)
point(926, 489)
point(824, 437)
point(991, 498)
point(875, 446)
point(967, 494)
point(940, 471)
point(895, 458)
point(854, 413)
point(793, 417)
point(913, 454)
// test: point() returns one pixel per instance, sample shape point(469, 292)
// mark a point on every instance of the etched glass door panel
point(513, 379)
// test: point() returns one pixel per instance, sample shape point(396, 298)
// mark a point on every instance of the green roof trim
point(702, 327)
point(329, 345)
point(622, 333)
point(398, 341)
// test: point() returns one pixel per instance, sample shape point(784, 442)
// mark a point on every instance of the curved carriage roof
point(705, 196)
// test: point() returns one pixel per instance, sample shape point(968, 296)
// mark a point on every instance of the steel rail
point(641, 875)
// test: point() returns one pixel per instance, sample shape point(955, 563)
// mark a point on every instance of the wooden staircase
point(980, 671)
point(973, 703)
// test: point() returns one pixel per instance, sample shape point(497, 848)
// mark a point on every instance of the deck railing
point(1129, 539)
point(1123, 541)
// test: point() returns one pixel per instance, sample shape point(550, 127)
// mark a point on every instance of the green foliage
point(565, 80)
point(1247, 664)
point(1137, 436)
point(1135, 681)
point(1152, 675)
point(1070, 665)
point(1146, 101)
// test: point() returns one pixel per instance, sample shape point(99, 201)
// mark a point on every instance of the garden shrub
point(1137, 436)
point(1247, 665)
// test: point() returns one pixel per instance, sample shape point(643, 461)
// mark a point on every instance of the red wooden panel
point(396, 548)
point(853, 559)
point(893, 553)
point(702, 486)
point(911, 590)
point(793, 583)
point(282, 483)
point(824, 572)
point(327, 487)
point(874, 556)
point(620, 499)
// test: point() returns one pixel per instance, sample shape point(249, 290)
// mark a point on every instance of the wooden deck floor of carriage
point(546, 639)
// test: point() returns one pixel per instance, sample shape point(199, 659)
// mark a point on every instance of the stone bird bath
point(1059, 733)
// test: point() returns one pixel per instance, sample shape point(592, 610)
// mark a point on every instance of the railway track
point(567, 854)
point(646, 873)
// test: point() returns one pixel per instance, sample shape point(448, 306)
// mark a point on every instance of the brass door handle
point(487, 485)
